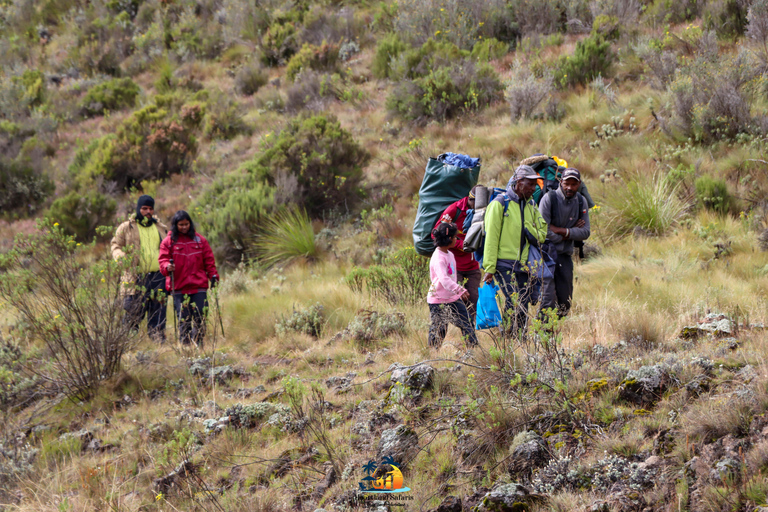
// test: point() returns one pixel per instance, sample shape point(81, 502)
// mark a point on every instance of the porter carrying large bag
point(443, 185)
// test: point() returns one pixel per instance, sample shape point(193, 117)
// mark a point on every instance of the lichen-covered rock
point(341, 384)
point(645, 385)
point(204, 369)
point(400, 443)
point(410, 382)
point(558, 475)
point(727, 469)
point(507, 498)
point(527, 452)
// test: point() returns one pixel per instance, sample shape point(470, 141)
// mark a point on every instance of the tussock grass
point(285, 237)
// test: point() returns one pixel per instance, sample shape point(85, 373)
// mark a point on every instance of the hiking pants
point(557, 292)
point(472, 284)
point(149, 301)
point(191, 311)
point(515, 313)
point(452, 312)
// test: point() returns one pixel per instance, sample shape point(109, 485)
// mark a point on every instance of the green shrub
point(308, 320)
point(673, 11)
point(223, 118)
point(713, 194)
point(489, 49)
point(728, 18)
point(31, 88)
point(80, 214)
point(323, 161)
point(402, 278)
point(592, 58)
point(284, 237)
point(446, 92)
point(22, 188)
point(279, 44)
point(112, 95)
point(249, 79)
point(389, 48)
point(419, 62)
point(153, 143)
point(370, 325)
point(229, 211)
point(607, 26)
point(324, 57)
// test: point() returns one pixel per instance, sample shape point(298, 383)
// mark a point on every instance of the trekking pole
point(218, 309)
point(173, 303)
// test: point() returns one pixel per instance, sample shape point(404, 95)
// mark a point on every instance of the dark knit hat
point(144, 200)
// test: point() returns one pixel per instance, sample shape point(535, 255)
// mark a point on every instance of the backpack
point(550, 171)
point(443, 185)
point(475, 225)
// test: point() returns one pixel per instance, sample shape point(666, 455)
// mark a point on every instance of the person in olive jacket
point(142, 284)
point(186, 259)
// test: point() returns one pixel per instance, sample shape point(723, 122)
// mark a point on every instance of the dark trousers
point(191, 311)
point(471, 281)
point(441, 315)
point(149, 301)
point(558, 292)
point(518, 293)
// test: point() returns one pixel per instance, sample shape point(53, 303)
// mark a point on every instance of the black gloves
point(214, 281)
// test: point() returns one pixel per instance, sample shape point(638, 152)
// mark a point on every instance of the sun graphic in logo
point(383, 478)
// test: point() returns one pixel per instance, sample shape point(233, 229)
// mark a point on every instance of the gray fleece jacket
point(567, 215)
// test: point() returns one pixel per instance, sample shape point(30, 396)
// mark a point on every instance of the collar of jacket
point(132, 218)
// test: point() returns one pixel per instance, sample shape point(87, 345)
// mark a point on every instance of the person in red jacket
point(467, 269)
point(187, 261)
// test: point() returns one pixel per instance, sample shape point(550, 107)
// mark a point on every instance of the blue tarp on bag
point(540, 264)
point(488, 313)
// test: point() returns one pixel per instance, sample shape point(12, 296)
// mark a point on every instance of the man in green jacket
point(512, 223)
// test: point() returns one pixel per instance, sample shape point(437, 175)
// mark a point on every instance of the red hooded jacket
point(193, 259)
point(465, 261)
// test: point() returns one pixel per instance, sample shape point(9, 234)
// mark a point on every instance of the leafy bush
point(312, 91)
point(324, 57)
point(75, 311)
point(112, 95)
point(279, 43)
point(80, 214)
point(31, 89)
point(606, 26)
point(229, 211)
point(649, 203)
point(223, 117)
point(460, 22)
point(726, 17)
point(324, 159)
point(22, 188)
point(711, 98)
point(591, 58)
point(538, 16)
point(308, 320)
point(284, 237)
point(152, 143)
point(403, 278)
point(388, 48)
point(419, 62)
point(445, 92)
point(525, 92)
point(673, 11)
point(713, 194)
point(489, 49)
point(757, 30)
point(369, 325)
point(249, 79)
point(322, 23)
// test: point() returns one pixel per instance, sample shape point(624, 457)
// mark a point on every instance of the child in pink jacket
point(446, 296)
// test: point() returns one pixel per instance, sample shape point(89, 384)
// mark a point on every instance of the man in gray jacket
point(567, 214)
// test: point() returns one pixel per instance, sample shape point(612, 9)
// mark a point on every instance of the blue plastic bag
point(488, 313)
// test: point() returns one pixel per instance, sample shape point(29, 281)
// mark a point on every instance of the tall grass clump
point(650, 203)
point(286, 236)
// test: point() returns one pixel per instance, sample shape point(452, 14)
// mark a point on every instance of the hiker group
point(519, 240)
point(175, 263)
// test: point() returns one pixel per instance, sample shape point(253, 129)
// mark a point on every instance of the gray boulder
point(507, 498)
point(400, 443)
point(528, 451)
point(410, 382)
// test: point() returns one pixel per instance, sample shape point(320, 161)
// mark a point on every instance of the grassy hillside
point(296, 134)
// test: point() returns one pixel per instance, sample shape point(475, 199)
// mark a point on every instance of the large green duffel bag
point(443, 185)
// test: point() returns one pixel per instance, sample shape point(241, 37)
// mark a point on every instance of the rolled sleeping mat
point(481, 197)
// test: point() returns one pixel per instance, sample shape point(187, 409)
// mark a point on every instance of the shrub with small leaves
point(112, 95)
point(80, 214)
point(403, 278)
point(525, 92)
point(370, 325)
point(713, 194)
point(320, 58)
point(249, 79)
point(592, 58)
point(22, 188)
point(309, 320)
